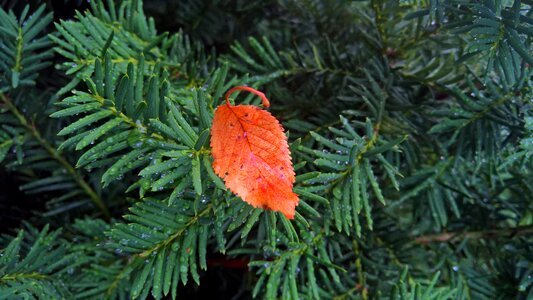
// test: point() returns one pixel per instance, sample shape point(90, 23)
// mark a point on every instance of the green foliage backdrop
point(410, 125)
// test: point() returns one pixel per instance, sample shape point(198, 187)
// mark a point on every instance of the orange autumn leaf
point(252, 156)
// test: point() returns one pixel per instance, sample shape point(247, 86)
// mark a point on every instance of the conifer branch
point(20, 276)
point(56, 155)
point(178, 234)
point(374, 207)
point(133, 260)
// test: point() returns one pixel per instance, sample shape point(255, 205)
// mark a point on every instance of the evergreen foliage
point(410, 125)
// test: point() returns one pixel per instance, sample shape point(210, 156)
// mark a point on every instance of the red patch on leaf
point(252, 156)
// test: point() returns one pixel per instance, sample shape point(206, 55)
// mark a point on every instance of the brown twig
point(453, 237)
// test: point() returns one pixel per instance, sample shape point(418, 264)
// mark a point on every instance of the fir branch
point(142, 120)
point(95, 198)
point(194, 220)
point(33, 263)
point(22, 276)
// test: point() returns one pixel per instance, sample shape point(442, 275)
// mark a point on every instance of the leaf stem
point(261, 95)
point(56, 155)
